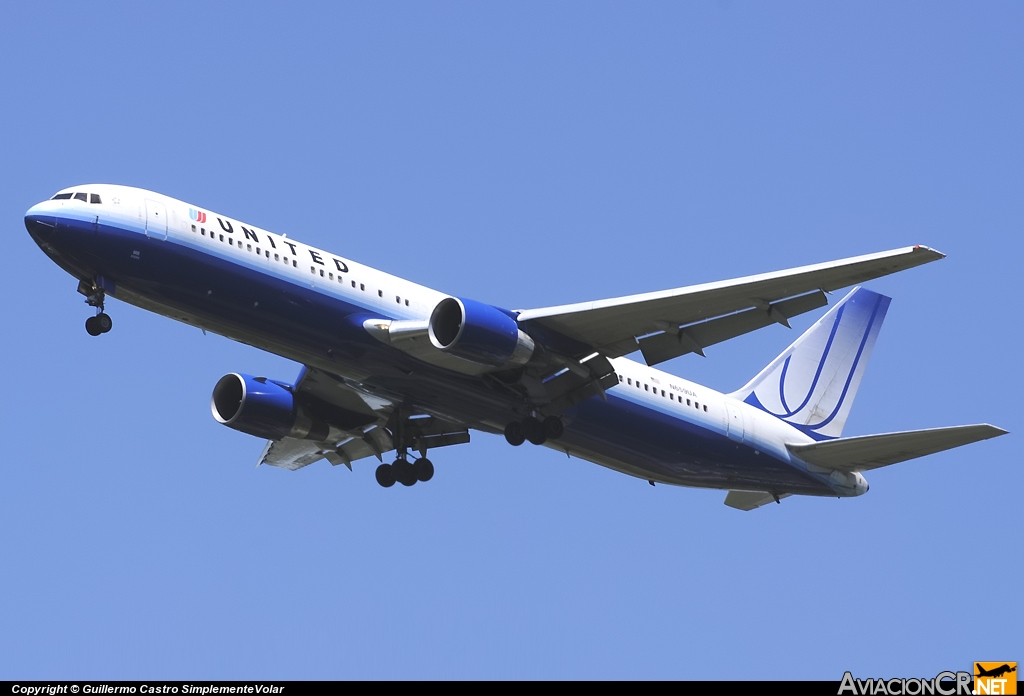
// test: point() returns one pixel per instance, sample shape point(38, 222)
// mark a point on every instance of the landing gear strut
point(402, 471)
point(535, 430)
point(94, 296)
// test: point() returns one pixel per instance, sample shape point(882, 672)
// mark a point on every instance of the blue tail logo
point(812, 384)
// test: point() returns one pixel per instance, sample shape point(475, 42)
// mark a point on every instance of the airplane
point(389, 365)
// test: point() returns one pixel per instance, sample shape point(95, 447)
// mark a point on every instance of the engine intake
point(478, 332)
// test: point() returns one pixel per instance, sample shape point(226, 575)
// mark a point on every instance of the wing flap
point(658, 348)
point(874, 451)
point(611, 325)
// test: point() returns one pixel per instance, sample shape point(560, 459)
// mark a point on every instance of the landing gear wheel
point(533, 429)
point(104, 322)
point(92, 326)
point(553, 427)
point(424, 469)
point(404, 472)
point(514, 433)
point(385, 475)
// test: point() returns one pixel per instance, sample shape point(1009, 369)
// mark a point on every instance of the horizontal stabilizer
point(749, 500)
point(873, 451)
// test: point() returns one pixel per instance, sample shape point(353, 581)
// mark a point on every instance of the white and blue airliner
point(390, 365)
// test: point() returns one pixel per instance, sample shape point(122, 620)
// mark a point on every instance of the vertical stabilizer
point(812, 384)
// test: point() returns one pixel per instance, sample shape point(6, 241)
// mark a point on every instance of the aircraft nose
point(39, 220)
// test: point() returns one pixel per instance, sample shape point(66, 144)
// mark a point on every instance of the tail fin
point(812, 384)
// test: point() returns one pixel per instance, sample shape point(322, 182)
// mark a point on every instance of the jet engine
point(461, 335)
point(479, 333)
point(263, 408)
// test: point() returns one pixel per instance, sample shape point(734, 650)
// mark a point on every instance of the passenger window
point(705, 408)
point(647, 387)
point(407, 303)
point(321, 273)
point(61, 197)
point(276, 257)
point(94, 198)
point(81, 197)
point(353, 283)
point(671, 397)
point(193, 228)
point(231, 241)
point(687, 402)
point(380, 293)
point(696, 405)
point(258, 252)
point(295, 264)
point(222, 238)
point(248, 247)
point(663, 392)
point(203, 230)
point(312, 269)
point(629, 381)
point(362, 287)
point(398, 299)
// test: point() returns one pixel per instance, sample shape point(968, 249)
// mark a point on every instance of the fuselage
point(310, 305)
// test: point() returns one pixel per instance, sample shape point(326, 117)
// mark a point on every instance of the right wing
point(670, 323)
point(868, 452)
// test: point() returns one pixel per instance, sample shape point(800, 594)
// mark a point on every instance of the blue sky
point(522, 154)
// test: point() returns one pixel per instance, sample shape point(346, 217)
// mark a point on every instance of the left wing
point(361, 426)
point(670, 323)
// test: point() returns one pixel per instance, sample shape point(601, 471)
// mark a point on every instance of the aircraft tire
point(514, 434)
point(104, 323)
point(385, 475)
point(553, 427)
point(92, 327)
point(404, 472)
point(424, 469)
point(533, 429)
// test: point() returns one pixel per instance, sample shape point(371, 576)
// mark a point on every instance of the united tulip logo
point(197, 215)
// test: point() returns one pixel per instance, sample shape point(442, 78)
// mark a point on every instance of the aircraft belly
point(635, 439)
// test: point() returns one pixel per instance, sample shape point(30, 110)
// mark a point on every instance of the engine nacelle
point(479, 333)
point(263, 408)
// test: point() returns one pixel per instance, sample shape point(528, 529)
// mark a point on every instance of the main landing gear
point(402, 471)
point(535, 430)
point(405, 473)
point(94, 296)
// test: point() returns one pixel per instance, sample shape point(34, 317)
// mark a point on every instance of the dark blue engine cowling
point(478, 332)
point(254, 405)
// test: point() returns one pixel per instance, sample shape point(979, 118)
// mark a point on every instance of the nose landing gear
point(94, 296)
point(99, 324)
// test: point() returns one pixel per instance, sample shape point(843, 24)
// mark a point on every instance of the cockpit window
point(61, 197)
point(81, 197)
point(94, 198)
